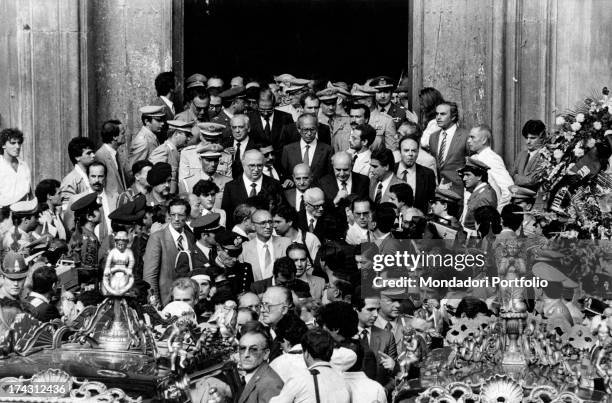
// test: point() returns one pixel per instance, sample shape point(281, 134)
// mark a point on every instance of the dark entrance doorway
point(342, 40)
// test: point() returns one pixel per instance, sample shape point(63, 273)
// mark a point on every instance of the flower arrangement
point(572, 170)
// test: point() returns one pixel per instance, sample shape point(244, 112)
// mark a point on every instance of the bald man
point(302, 180)
point(239, 142)
point(343, 181)
point(268, 122)
point(317, 214)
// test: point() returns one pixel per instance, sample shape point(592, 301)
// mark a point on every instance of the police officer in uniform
point(525, 198)
point(445, 210)
point(209, 135)
point(237, 275)
point(84, 243)
point(209, 163)
point(385, 87)
point(477, 193)
point(204, 230)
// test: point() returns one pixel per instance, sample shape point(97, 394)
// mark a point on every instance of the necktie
point(405, 176)
point(179, 243)
point(389, 327)
point(344, 186)
point(301, 203)
point(442, 149)
point(364, 334)
point(267, 130)
point(306, 157)
point(267, 258)
point(311, 225)
point(237, 155)
point(270, 172)
point(354, 158)
point(378, 196)
point(253, 189)
point(120, 171)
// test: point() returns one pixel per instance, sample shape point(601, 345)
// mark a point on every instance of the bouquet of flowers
point(572, 169)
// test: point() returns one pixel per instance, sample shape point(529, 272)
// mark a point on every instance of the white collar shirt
point(289, 362)
point(270, 171)
point(263, 121)
point(311, 149)
point(175, 236)
point(410, 175)
point(243, 145)
point(362, 163)
point(310, 218)
point(300, 387)
point(248, 182)
point(14, 185)
point(266, 271)
point(364, 389)
point(298, 199)
point(349, 184)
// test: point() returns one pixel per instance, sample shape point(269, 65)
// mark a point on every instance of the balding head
point(240, 126)
point(302, 177)
point(342, 163)
point(262, 219)
point(252, 163)
point(276, 302)
point(314, 199)
point(479, 138)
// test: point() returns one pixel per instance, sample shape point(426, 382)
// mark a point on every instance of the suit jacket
point(235, 193)
point(169, 112)
point(142, 145)
point(115, 177)
point(455, 158)
point(301, 288)
point(425, 187)
point(483, 196)
point(319, 166)
point(290, 134)
point(264, 385)
point(329, 185)
point(385, 195)
point(279, 120)
point(73, 184)
point(319, 229)
point(237, 169)
point(160, 262)
point(380, 340)
point(198, 258)
point(249, 254)
point(40, 309)
point(523, 172)
point(166, 153)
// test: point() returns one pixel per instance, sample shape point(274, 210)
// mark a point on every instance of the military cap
point(229, 240)
point(203, 273)
point(382, 83)
point(14, 266)
point(24, 208)
point(284, 78)
point(252, 93)
point(211, 130)
point(340, 87)
point(159, 173)
point(153, 111)
point(520, 193)
point(180, 125)
point(252, 84)
point(208, 223)
point(210, 155)
point(447, 195)
point(473, 165)
point(328, 94)
point(550, 273)
point(362, 91)
point(394, 293)
point(232, 93)
point(214, 82)
point(300, 81)
point(295, 88)
point(195, 80)
point(131, 211)
point(594, 306)
point(88, 201)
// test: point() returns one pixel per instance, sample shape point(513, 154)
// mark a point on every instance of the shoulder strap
point(314, 373)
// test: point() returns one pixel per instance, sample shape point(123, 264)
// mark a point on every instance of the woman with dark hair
point(429, 99)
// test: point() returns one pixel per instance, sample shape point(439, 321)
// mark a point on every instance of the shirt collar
point(170, 145)
point(261, 243)
point(175, 234)
point(248, 182)
point(451, 130)
point(243, 142)
point(349, 181)
point(403, 167)
point(313, 144)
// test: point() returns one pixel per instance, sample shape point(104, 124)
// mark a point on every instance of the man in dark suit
point(308, 150)
point(239, 142)
point(302, 180)
point(251, 183)
point(161, 265)
point(382, 164)
point(204, 229)
point(310, 104)
point(528, 160)
point(113, 135)
point(449, 145)
point(316, 213)
point(422, 180)
point(262, 382)
point(38, 303)
point(267, 122)
point(475, 178)
point(233, 103)
point(343, 181)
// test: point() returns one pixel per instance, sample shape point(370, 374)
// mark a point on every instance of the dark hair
point(266, 94)
point(430, 98)
point(290, 328)
point(488, 220)
point(139, 165)
point(9, 134)
point(284, 266)
point(296, 246)
point(242, 212)
point(46, 188)
point(164, 83)
point(536, 127)
point(308, 95)
point(454, 110)
point(471, 307)
point(366, 110)
point(407, 137)
point(385, 157)
point(196, 92)
point(340, 316)
point(358, 349)
point(319, 344)
point(255, 327)
point(158, 213)
point(203, 187)
point(110, 130)
point(76, 146)
point(511, 216)
point(98, 164)
point(44, 279)
point(384, 218)
point(404, 193)
point(287, 213)
point(180, 202)
point(368, 133)
point(452, 208)
point(362, 200)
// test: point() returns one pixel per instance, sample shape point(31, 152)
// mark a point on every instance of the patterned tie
point(442, 149)
point(253, 189)
point(311, 225)
point(179, 243)
point(267, 258)
point(267, 130)
point(378, 196)
point(364, 335)
point(306, 157)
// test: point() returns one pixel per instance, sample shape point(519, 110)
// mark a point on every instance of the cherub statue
point(178, 341)
point(410, 355)
point(118, 276)
point(225, 317)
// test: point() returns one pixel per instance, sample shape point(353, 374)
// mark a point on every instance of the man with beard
point(208, 135)
point(360, 141)
point(383, 124)
point(302, 180)
point(385, 87)
point(339, 125)
point(421, 180)
point(159, 178)
point(308, 150)
point(113, 136)
point(478, 192)
point(12, 276)
point(143, 144)
point(140, 170)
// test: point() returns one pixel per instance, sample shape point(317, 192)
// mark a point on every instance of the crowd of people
point(277, 196)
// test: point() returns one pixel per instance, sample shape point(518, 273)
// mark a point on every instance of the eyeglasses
point(214, 107)
point(263, 223)
point(316, 206)
point(251, 349)
point(255, 307)
point(308, 129)
point(265, 307)
point(253, 166)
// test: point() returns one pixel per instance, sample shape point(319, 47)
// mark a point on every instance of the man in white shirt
point(320, 383)
point(362, 388)
point(361, 138)
point(299, 254)
point(286, 225)
point(479, 142)
point(15, 176)
point(289, 332)
point(360, 231)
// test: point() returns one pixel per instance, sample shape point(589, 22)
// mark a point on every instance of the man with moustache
point(208, 137)
point(422, 180)
point(159, 178)
point(302, 180)
point(360, 140)
point(113, 136)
